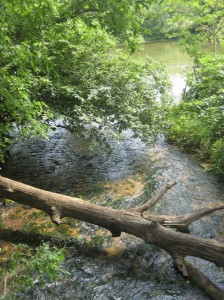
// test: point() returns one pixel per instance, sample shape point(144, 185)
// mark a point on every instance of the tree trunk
point(152, 229)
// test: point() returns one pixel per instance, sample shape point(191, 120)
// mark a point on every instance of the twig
point(5, 286)
point(182, 223)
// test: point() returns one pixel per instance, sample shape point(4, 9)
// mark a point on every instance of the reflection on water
point(174, 59)
point(178, 83)
point(169, 52)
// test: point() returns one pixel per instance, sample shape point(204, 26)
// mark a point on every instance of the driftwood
point(167, 232)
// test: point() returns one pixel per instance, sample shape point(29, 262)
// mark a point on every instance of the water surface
point(169, 53)
point(126, 267)
point(174, 58)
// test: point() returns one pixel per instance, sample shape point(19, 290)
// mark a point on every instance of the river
point(173, 57)
point(123, 268)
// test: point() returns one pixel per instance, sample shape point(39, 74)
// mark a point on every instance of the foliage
point(60, 59)
point(189, 128)
point(95, 86)
point(198, 121)
point(217, 156)
point(156, 22)
point(196, 22)
point(25, 267)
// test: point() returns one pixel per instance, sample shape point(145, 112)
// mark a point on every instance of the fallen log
point(157, 230)
point(202, 282)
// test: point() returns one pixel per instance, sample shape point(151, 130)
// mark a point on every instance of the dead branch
point(152, 229)
point(199, 279)
point(155, 198)
point(181, 223)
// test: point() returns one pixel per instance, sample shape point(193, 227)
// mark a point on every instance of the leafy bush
point(25, 267)
point(61, 60)
point(187, 128)
point(197, 123)
point(217, 156)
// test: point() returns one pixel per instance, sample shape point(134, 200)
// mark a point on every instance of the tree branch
point(151, 229)
point(159, 194)
point(198, 278)
point(182, 223)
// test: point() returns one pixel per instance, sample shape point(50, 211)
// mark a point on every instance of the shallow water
point(125, 267)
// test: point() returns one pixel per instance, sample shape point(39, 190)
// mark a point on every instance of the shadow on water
point(64, 164)
point(125, 267)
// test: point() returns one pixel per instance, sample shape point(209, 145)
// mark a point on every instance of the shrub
point(197, 123)
point(27, 266)
point(217, 156)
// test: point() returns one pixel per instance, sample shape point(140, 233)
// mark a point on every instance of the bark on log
point(152, 229)
point(202, 282)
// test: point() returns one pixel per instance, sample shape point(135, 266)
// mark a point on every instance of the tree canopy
point(196, 22)
point(62, 60)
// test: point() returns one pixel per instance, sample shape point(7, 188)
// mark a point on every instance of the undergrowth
point(27, 267)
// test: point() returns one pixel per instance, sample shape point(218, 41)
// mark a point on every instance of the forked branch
point(181, 223)
point(152, 229)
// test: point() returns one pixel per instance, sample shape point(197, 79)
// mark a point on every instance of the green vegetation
point(192, 22)
point(25, 267)
point(155, 22)
point(197, 123)
point(61, 60)
point(196, 23)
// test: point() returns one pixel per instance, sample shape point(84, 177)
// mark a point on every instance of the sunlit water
point(173, 57)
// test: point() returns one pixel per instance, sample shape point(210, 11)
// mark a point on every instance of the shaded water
point(125, 267)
